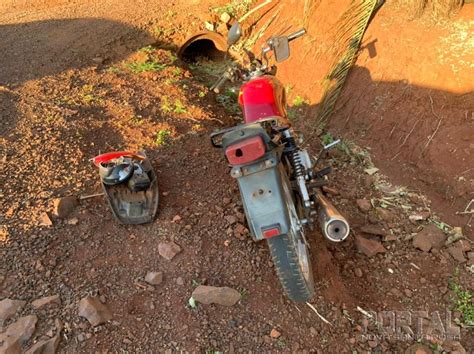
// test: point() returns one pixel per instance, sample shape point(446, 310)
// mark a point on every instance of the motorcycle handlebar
point(296, 34)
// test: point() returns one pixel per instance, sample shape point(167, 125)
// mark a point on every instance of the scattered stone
point(168, 250)
point(44, 220)
point(364, 205)
point(430, 237)
point(418, 216)
point(369, 247)
point(408, 292)
point(456, 252)
point(385, 214)
point(371, 171)
point(274, 333)
point(389, 238)
point(177, 218)
point(358, 272)
point(373, 230)
point(9, 307)
point(179, 281)
point(18, 333)
point(10, 346)
point(94, 311)
point(58, 324)
point(231, 219)
point(48, 346)
point(465, 245)
point(216, 295)
point(54, 299)
point(98, 60)
point(226, 200)
point(63, 207)
point(225, 17)
point(154, 278)
point(73, 221)
point(209, 26)
point(331, 191)
point(418, 349)
point(240, 229)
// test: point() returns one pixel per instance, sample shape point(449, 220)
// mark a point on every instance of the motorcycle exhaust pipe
point(334, 226)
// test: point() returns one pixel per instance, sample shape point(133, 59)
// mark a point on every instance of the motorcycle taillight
point(245, 151)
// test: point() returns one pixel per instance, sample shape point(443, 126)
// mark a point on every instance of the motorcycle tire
point(297, 286)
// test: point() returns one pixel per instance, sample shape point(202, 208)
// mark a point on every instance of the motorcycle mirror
point(281, 48)
point(234, 34)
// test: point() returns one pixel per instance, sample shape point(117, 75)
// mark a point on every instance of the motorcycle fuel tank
point(262, 97)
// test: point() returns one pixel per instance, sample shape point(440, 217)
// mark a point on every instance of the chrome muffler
point(333, 225)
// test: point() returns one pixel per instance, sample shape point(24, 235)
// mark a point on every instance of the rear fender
point(262, 194)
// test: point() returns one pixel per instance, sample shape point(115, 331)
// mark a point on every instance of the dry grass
point(436, 8)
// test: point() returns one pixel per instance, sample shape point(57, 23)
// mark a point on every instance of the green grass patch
point(234, 8)
point(162, 137)
point(148, 66)
point(463, 300)
point(299, 101)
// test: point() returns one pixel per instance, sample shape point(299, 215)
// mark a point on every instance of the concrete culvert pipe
point(209, 45)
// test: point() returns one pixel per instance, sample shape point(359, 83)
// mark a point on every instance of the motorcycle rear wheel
point(290, 253)
point(297, 281)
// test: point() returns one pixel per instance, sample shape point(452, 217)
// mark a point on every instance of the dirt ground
point(68, 91)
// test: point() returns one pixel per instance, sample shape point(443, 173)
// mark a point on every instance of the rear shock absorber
point(292, 150)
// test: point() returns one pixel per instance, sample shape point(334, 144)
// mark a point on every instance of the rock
point(94, 311)
point(428, 238)
point(98, 60)
point(240, 230)
point(369, 247)
point(216, 295)
point(209, 26)
point(63, 207)
point(48, 346)
point(418, 216)
point(373, 230)
point(331, 191)
point(418, 349)
point(358, 272)
point(274, 333)
point(168, 250)
point(231, 219)
point(225, 17)
point(54, 299)
point(455, 250)
point(73, 221)
point(154, 278)
point(371, 171)
point(9, 307)
point(10, 347)
point(18, 333)
point(364, 205)
point(177, 218)
point(44, 220)
point(179, 281)
point(465, 245)
point(385, 214)
point(453, 347)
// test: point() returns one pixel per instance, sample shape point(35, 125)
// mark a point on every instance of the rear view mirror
point(234, 34)
point(281, 48)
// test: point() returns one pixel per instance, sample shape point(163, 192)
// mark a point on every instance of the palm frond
point(351, 27)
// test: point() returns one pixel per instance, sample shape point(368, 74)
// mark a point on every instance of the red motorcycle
point(279, 185)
